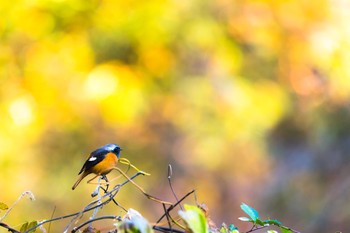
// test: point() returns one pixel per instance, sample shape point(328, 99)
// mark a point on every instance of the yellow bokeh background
point(248, 100)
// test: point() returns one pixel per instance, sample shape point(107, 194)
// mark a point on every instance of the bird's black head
point(113, 148)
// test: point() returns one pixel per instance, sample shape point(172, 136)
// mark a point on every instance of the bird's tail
point(82, 176)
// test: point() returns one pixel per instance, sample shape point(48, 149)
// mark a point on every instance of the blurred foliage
point(194, 219)
point(248, 100)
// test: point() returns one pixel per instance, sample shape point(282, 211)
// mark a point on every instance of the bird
point(100, 162)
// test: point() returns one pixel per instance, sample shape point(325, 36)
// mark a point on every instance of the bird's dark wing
point(95, 157)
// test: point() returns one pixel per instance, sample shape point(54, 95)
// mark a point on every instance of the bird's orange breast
point(106, 165)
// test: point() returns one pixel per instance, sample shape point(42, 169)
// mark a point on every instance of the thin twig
point(95, 204)
point(115, 202)
point(90, 206)
point(167, 216)
point(75, 229)
point(176, 222)
point(164, 229)
point(53, 212)
point(4, 225)
point(195, 198)
point(170, 173)
point(28, 193)
point(99, 198)
point(141, 189)
point(173, 206)
point(109, 194)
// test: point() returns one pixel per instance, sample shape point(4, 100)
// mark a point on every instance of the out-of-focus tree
point(248, 100)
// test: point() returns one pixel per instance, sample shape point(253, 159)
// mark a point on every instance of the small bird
point(100, 162)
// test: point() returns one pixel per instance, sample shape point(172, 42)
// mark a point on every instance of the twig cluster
point(173, 225)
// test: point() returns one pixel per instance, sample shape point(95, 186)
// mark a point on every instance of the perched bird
point(100, 162)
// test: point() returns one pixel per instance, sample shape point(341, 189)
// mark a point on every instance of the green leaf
point(3, 206)
point(232, 227)
point(194, 218)
point(285, 230)
point(259, 222)
point(272, 231)
point(32, 224)
point(252, 213)
point(273, 222)
point(26, 226)
point(223, 229)
point(245, 219)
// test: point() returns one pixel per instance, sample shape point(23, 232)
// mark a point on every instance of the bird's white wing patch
point(92, 158)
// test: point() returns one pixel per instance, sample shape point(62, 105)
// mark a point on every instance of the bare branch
point(75, 229)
